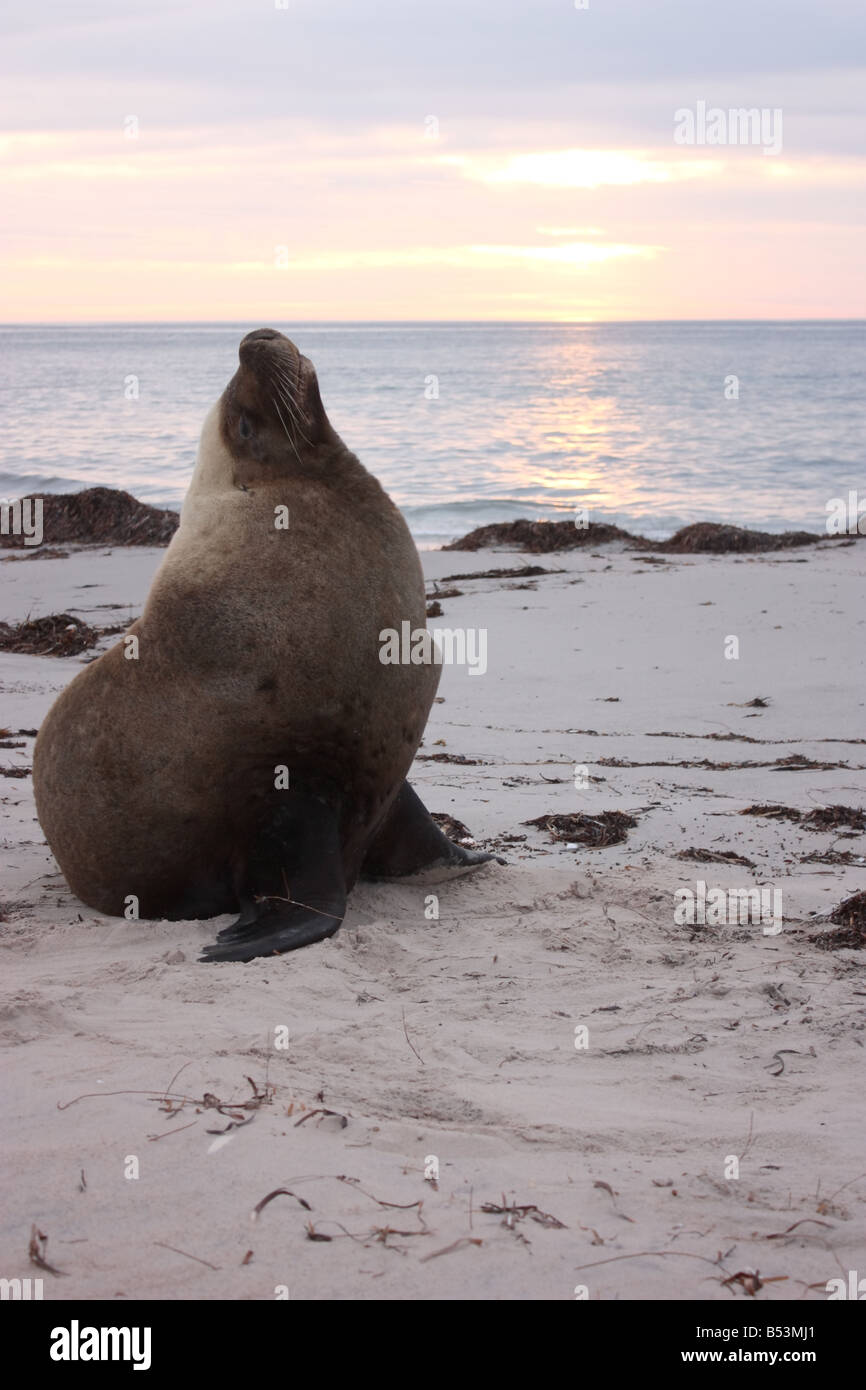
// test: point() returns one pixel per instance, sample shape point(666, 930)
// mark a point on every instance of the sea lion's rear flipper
point(409, 841)
point(294, 889)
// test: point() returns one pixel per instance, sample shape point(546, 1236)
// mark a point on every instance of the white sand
point(456, 1038)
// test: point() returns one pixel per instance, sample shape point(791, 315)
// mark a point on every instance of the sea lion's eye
point(245, 429)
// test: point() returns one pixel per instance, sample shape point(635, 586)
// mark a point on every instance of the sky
point(246, 160)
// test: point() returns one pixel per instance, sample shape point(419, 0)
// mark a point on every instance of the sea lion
point(243, 748)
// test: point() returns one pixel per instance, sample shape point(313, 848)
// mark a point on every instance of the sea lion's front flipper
point(409, 841)
point(294, 889)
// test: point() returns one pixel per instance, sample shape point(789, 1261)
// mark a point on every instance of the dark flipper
point(410, 841)
point(294, 891)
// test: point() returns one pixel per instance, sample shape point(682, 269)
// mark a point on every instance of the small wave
point(432, 524)
point(14, 485)
point(23, 484)
point(436, 523)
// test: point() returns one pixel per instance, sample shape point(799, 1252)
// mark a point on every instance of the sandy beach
point(555, 1043)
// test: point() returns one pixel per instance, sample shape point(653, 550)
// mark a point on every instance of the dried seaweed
point(833, 856)
point(322, 1112)
point(277, 1192)
point(513, 1212)
point(596, 832)
point(186, 1254)
point(715, 856)
point(453, 828)
point(36, 1252)
point(836, 817)
point(707, 537)
point(59, 634)
point(750, 1280)
point(100, 516)
point(795, 762)
point(455, 1245)
point(448, 758)
point(850, 932)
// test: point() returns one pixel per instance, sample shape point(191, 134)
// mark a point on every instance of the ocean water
point(470, 423)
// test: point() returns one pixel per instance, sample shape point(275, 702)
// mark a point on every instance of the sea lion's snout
point(265, 344)
point(272, 418)
point(258, 333)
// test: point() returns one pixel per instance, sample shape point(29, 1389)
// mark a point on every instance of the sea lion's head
point(271, 419)
point(269, 425)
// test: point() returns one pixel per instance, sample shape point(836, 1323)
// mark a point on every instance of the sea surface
point(649, 425)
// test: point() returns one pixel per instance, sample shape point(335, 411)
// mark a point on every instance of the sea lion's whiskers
point(288, 385)
point(293, 414)
point(286, 379)
point(294, 418)
point(277, 379)
point(288, 388)
point(285, 428)
point(282, 421)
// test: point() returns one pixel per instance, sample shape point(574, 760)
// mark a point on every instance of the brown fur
point(257, 647)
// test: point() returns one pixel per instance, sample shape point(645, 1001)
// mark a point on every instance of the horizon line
point(476, 323)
